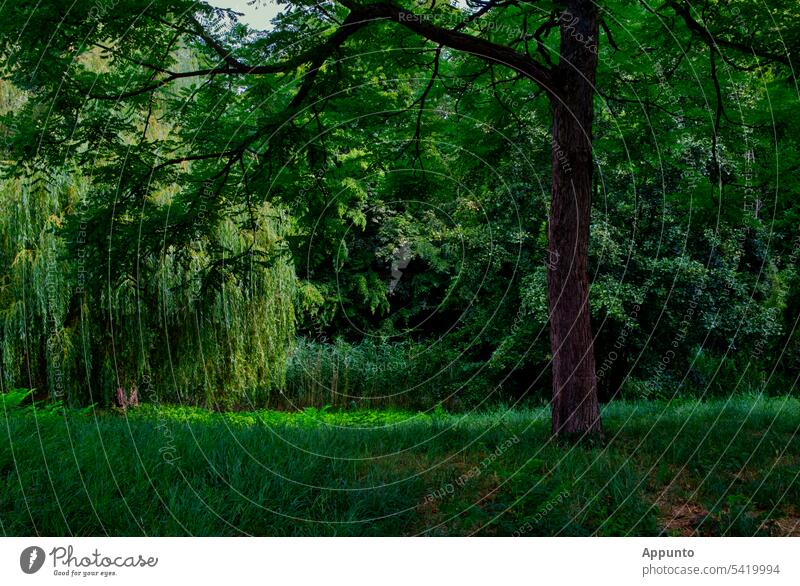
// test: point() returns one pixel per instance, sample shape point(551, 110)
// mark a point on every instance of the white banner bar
point(399, 561)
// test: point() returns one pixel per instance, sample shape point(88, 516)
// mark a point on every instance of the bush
point(376, 374)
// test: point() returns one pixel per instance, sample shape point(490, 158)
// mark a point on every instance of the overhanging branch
point(455, 39)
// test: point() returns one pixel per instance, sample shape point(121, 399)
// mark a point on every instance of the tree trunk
point(575, 406)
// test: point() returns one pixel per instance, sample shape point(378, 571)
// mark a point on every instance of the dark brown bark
point(575, 404)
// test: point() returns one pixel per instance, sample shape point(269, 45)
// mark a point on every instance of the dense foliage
point(380, 236)
point(159, 338)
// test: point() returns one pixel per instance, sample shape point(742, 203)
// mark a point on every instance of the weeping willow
point(170, 341)
point(38, 345)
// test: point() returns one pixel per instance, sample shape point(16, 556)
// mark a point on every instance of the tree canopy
point(383, 172)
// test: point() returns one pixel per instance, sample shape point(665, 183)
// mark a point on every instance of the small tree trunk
point(575, 404)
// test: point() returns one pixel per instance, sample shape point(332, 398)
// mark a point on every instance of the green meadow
point(722, 467)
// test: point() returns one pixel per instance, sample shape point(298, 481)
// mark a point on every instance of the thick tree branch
point(359, 17)
point(315, 56)
point(454, 39)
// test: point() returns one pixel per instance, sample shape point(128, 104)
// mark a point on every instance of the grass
point(723, 467)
